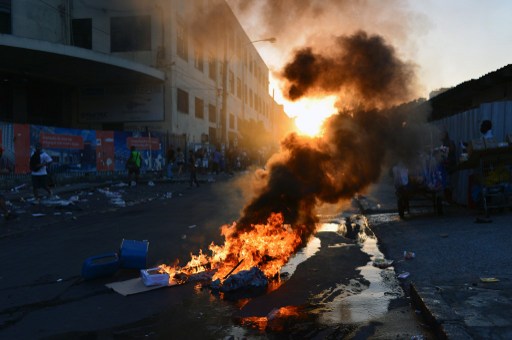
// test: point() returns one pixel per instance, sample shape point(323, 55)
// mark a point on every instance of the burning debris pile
point(246, 259)
point(355, 146)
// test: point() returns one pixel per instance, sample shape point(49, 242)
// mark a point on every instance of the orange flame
point(266, 246)
point(275, 320)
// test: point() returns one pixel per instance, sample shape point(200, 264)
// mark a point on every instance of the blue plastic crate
point(100, 265)
point(134, 254)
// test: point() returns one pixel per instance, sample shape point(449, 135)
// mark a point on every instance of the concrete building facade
point(184, 68)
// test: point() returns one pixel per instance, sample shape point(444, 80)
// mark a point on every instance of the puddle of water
point(309, 250)
point(370, 303)
point(357, 302)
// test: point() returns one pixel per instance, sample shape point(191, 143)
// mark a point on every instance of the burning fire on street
point(367, 133)
point(265, 246)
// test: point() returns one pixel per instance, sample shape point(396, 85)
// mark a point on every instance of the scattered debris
point(417, 337)
point(154, 277)
point(151, 183)
point(382, 263)
point(115, 197)
point(253, 278)
point(16, 188)
point(408, 255)
point(38, 215)
point(191, 226)
point(404, 275)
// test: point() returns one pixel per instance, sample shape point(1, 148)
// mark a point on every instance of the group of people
point(177, 158)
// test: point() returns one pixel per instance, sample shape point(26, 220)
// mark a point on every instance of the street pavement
point(453, 255)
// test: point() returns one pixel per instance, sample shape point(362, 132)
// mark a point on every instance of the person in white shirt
point(38, 168)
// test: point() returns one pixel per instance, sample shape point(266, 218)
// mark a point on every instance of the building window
point(198, 57)
point(82, 33)
point(212, 67)
point(199, 106)
point(182, 40)
point(231, 82)
point(251, 100)
point(231, 121)
point(182, 101)
point(130, 34)
point(212, 113)
point(5, 17)
point(239, 88)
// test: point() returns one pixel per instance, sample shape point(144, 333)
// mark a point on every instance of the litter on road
point(382, 263)
point(404, 275)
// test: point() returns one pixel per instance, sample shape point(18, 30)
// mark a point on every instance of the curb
point(438, 315)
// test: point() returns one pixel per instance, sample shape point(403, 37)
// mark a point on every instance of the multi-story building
point(183, 68)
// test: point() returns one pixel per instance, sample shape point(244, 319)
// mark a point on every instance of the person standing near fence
point(170, 161)
point(133, 166)
point(193, 169)
point(39, 160)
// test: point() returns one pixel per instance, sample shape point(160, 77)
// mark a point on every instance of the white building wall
point(50, 21)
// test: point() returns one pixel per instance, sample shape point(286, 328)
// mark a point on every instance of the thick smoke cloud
point(360, 68)
point(335, 51)
point(373, 128)
point(349, 157)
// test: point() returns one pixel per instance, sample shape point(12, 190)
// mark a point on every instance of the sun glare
point(311, 113)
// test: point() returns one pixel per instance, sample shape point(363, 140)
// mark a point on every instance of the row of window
point(183, 106)
point(182, 50)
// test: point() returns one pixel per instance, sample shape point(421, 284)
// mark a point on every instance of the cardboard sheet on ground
point(132, 286)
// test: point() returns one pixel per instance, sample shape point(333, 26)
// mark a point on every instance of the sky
point(447, 41)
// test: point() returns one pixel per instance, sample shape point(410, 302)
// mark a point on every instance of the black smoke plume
point(356, 143)
point(361, 66)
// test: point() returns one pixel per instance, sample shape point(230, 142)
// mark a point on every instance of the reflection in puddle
point(359, 302)
point(309, 250)
point(368, 303)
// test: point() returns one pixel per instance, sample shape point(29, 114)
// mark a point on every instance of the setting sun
point(311, 113)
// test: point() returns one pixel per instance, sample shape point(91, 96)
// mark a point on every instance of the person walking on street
point(180, 160)
point(39, 160)
point(170, 161)
point(133, 166)
point(193, 169)
point(216, 161)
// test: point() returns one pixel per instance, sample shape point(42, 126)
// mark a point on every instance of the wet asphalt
point(44, 295)
point(452, 254)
